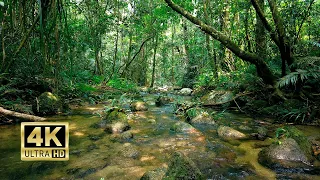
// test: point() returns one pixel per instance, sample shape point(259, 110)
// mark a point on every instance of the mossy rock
point(193, 112)
point(182, 167)
point(156, 174)
point(182, 127)
point(47, 104)
point(301, 139)
point(285, 156)
point(228, 133)
point(114, 120)
point(114, 114)
point(199, 116)
point(217, 97)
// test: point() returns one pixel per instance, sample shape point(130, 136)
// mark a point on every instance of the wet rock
point(139, 106)
point(245, 128)
point(130, 151)
point(40, 167)
point(156, 174)
point(117, 127)
point(47, 104)
point(182, 167)
point(83, 173)
point(125, 136)
point(199, 116)
point(162, 100)
point(152, 121)
point(92, 147)
point(229, 133)
point(114, 120)
point(181, 108)
point(185, 91)
point(261, 133)
point(217, 97)
point(76, 152)
point(181, 126)
point(94, 137)
point(316, 148)
point(284, 156)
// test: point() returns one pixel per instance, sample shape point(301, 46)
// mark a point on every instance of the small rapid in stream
point(97, 155)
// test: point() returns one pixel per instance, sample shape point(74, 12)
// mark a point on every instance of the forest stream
point(95, 154)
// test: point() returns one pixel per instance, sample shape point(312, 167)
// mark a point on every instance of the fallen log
point(224, 102)
point(21, 115)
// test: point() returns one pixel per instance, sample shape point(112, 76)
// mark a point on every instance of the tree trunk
point(260, 33)
point(154, 61)
point(21, 115)
point(209, 51)
point(262, 68)
point(172, 53)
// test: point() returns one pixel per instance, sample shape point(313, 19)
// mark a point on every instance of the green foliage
point(240, 80)
point(281, 132)
point(297, 112)
point(308, 68)
point(122, 84)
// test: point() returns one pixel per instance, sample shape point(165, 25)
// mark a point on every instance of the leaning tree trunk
point(263, 70)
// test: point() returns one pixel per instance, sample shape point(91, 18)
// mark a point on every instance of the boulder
point(114, 120)
point(181, 126)
point(181, 108)
point(47, 104)
point(229, 133)
point(139, 106)
point(217, 97)
point(156, 174)
point(260, 134)
point(182, 167)
point(117, 127)
point(286, 154)
point(199, 116)
point(185, 91)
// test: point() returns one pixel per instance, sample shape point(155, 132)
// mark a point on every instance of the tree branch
point(262, 68)
point(135, 55)
point(302, 22)
point(22, 43)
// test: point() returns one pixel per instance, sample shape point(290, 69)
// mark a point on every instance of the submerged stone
point(156, 174)
point(130, 151)
point(182, 167)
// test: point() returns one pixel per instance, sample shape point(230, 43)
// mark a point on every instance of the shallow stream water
point(97, 155)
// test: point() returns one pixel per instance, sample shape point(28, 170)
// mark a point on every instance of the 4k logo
point(44, 141)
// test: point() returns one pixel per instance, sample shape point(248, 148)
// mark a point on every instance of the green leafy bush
point(122, 84)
